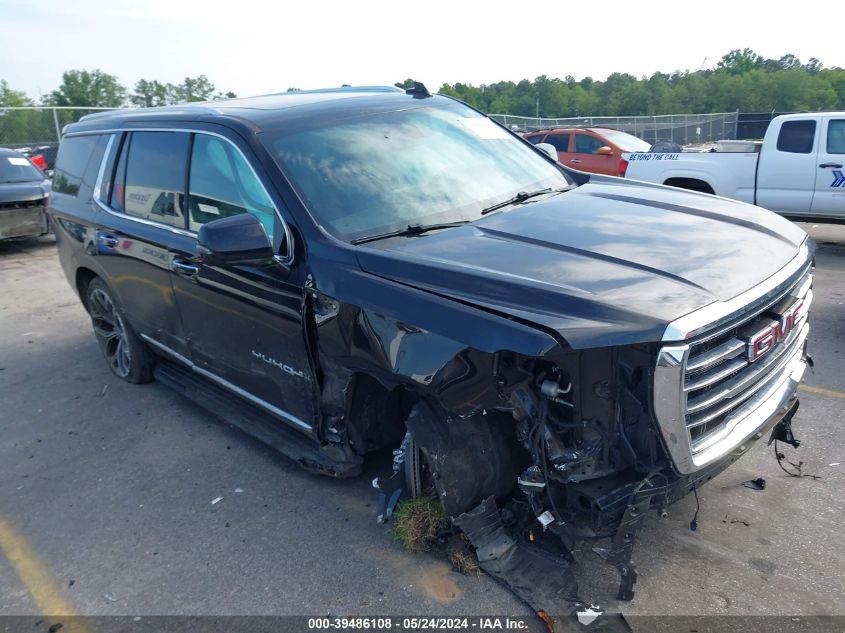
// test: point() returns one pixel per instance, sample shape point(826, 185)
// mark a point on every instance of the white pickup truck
point(798, 170)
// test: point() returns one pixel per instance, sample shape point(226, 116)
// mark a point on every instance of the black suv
point(555, 353)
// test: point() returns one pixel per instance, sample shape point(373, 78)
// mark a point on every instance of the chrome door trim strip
point(289, 418)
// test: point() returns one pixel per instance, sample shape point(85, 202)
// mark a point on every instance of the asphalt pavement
point(130, 500)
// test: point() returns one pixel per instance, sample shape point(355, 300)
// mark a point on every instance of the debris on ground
point(216, 500)
point(755, 484)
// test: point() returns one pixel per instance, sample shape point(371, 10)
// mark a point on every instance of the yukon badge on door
point(286, 368)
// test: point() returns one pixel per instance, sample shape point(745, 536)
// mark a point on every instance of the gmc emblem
point(764, 340)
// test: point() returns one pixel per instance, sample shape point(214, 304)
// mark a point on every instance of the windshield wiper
point(522, 196)
point(411, 229)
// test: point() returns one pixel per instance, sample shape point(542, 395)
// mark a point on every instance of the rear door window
point(153, 183)
point(797, 137)
point(222, 184)
point(534, 138)
point(559, 141)
point(836, 136)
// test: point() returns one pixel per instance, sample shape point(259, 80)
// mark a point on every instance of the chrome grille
point(719, 375)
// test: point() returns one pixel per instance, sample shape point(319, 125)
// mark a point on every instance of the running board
point(252, 420)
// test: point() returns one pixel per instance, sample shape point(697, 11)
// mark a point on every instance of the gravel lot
point(106, 496)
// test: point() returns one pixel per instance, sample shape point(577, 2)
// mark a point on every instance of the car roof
point(261, 111)
point(575, 128)
point(9, 152)
point(805, 115)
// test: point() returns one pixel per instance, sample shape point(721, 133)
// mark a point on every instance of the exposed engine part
point(552, 390)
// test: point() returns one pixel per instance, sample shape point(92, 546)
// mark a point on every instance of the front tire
point(127, 355)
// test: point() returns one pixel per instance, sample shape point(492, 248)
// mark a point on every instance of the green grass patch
point(417, 522)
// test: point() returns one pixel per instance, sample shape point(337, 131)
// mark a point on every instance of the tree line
point(97, 89)
point(741, 80)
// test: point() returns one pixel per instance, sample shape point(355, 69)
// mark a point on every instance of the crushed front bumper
point(23, 220)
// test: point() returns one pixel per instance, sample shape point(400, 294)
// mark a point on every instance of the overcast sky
point(253, 47)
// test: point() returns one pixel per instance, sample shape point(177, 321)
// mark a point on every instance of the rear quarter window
point(78, 164)
point(797, 137)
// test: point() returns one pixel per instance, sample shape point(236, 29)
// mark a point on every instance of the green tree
point(150, 93)
point(91, 89)
point(12, 98)
point(738, 62)
point(192, 89)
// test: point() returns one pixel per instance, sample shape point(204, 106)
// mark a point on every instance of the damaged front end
point(576, 431)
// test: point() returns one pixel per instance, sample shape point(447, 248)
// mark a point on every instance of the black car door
point(243, 323)
point(140, 225)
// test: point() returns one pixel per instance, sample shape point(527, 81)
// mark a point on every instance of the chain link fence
point(33, 126)
point(684, 129)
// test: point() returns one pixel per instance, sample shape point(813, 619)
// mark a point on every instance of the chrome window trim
point(714, 314)
point(96, 193)
point(263, 404)
point(287, 260)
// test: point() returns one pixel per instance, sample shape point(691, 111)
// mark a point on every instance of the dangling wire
point(693, 525)
point(782, 458)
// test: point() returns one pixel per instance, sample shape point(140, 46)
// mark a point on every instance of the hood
point(23, 191)
point(609, 263)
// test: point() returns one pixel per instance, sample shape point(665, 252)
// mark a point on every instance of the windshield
point(18, 169)
point(385, 171)
point(627, 142)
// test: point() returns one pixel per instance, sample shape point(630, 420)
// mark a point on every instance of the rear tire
point(127, 355)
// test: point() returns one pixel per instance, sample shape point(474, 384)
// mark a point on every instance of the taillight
point(38, 161)
point(623, 167)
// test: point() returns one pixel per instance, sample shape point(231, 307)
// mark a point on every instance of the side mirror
point(605, 150)
point(549, 149)
point(239, 239)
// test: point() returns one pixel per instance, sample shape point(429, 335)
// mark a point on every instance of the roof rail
point(185, 108)
point(340, 89)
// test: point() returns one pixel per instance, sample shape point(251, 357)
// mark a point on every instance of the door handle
point(833, 165)
point(186, 269)
point(107, 240)
point(575, 160)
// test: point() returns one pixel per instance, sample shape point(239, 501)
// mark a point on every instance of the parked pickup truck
point(553, 354)
point(798, 170)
